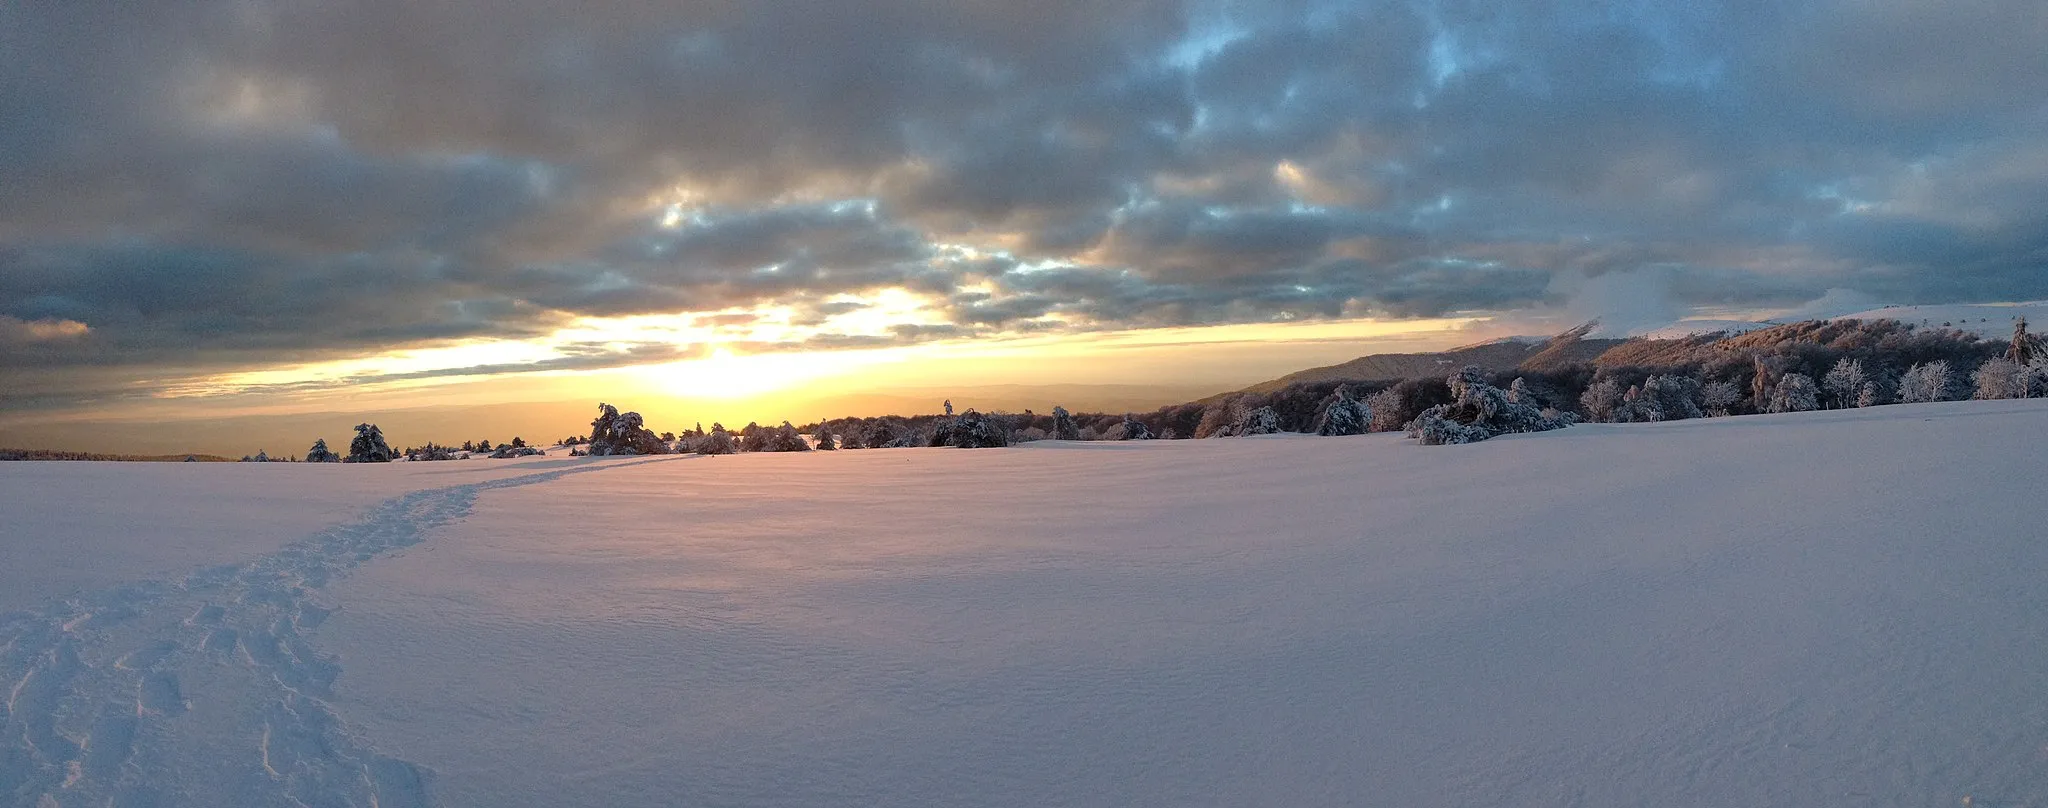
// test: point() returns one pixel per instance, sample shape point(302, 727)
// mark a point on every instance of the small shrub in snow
point(1931, 381)
point(368, 446)
point(1794, 392)
point(320, 453)
point(507, 451)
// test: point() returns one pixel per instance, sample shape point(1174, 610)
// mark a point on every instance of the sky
point(209, 208)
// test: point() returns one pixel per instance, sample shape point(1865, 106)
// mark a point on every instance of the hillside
point(1814, 609)
point(1504, 354)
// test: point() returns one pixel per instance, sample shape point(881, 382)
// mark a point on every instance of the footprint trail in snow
point(206, 690)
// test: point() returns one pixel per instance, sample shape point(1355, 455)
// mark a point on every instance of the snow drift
point(1806, 609)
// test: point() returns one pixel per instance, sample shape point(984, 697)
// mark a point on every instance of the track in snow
point(106, 694)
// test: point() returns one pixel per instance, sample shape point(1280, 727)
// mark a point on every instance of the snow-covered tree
point(1718, 398)
point(1063, 426)
point(783, 438)
point(1603, 399)
point(1342, 415)
point(823, 439)
point(1480, 411)
point(1869, 395)
point(1930, 381)
point(1135, 429)
point(1844, 382)
point(617, 433)
point(1386, 407)
point(973, 430)
point(368, 446)
point(1794, 392)
point(518, 442)
point(1999, 378)
point(718, 442)
point(1661, 398)
point(320, 453)
point(2024, 347)
point(949, 408)
point(1257, 421)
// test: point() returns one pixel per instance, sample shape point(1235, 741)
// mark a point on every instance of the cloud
point(48, 329)
point(218, 185)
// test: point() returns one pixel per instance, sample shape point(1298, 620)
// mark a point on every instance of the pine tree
point(824, 438)
point(368, 446)
point(719, 442)
point(1344, 415)
point(1260, 421)
point(1063, 426)
point(973, 430)
point(320, 453)
point(1135, 429)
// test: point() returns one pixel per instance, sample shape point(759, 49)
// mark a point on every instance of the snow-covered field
point(1843, 608)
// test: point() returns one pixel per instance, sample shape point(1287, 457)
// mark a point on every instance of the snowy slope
point(1991, 320)
point(1837, 608)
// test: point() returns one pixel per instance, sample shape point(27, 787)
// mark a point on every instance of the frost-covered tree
point(973, 430)
point(368, 446)
point(518, 442)
point(1257, 421)
point(1999, 378)
point(1479, 411)
point(1603, 399)
point(1719, 398)
point(2023, 348)
point(783, 438)
point(1844, 382)
point(823, 439)
point(1386, 406)
point(1794, 392)
point(1135, 429)
point(1343, 415)
point(1930, 381)
point(1220, 420)
point(617, 433)
point(949, 408)
point(1869, 395)
point(320, 453)
point(1063, 426)
point(718, 442)
point(1661, 398)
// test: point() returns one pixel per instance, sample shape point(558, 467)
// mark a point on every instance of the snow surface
point(1838, 608)
point(1989, 320)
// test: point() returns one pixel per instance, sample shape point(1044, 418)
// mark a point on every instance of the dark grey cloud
point(213, 183)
